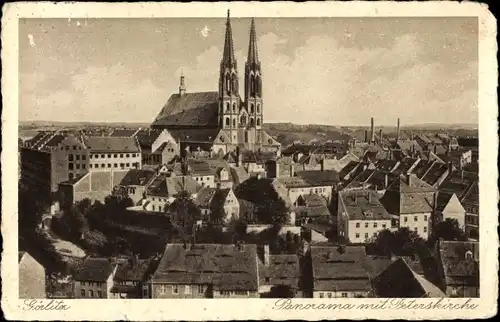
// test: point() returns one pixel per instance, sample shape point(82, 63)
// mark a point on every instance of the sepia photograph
point(249, 156)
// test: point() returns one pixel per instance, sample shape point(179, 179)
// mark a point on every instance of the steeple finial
point(227, 14)
point(253, 56)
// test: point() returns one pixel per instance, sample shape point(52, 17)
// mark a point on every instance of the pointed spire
point(253, 56)
point(228, 58)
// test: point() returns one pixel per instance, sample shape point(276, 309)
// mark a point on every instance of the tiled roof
point(386, 165)
point(112, 144)
point(201, 135)
point(204, 196)
point(130, 270)
point(281, 270)
point(403, 198)
point(351, 166)
point(146, 137)
point(339, 268)
point(455, 263)
point(95, 270)
point(199, 168)
point(436, 171)
point(239, 174)
point(468, 142)
point(319, 178)
point(170, 186)
point(313, 199)
point(137, 177)
point(20, 255)
point(257, 157)
point(190, 109)
point(363, 205)
point(226, 267)
point(442, 200)
point(123, 132)
point(312, 211)
point(459, 182)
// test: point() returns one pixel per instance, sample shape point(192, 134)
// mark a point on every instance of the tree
point(400, 242)
point(217, 211)
point(448, 229)
point(184, 213)
point(281, 292)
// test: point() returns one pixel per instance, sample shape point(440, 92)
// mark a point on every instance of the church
point(221, 121)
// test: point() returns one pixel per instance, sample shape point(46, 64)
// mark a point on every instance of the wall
point(421, 224)
point(294, 193)
point(157, 203)
point(114, 161)
point(336, 294)
point(205, 180)
point(366, 230)
point(233, 294)
point(169, 152)
point(95, 287)
point(166, 291)
point(36, 172)
point(31, 279)
point(136, 193)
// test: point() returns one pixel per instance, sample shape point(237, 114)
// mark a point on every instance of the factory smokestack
point(372, 134)
point(397, 135)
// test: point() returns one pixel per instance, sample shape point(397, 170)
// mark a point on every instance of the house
point(201, 172)
point(401, 281)
point(113, 153)
point(411, 202)
point(361, 216)
point(135, 181)
point(306, 182)
point(95, 185)
point(206, 271)
point(458, 263)
point(211, 198)
point(448, 206)
point(32, 280)
point(310, 208)
point(339, 272)
point(278, 271)
point(164, 188)
point(95, 278)
point(157, 146)
point(130, 277)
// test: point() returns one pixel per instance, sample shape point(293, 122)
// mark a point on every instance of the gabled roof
point(137, 177)
point(123, 132)
point(112, 144)
point(456, 265)
point(165, 186)
point(226, 267)
point(146, 137)
point(132, 270)
point(319, 178)
point(204, 196)
point(363, 205)
point(281, 270)
point(191, 109)
point(95, 270)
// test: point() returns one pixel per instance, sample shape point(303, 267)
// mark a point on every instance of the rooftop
point(95, 270)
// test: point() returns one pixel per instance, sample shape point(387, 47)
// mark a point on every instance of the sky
point(336, 71)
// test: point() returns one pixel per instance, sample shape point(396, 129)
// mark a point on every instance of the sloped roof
point(318, 177)
point(456, 265)
point(436, 171)
point(111, 144)
point(204, 196)
point(198, 135)
point(137, 177)
point(165, 186)
point(95, 270)
point(191, 109)
point(130, 270)
point(226, 267)
point(146, 137)
point(281, 270)
point(363, 205)
point(123, 132)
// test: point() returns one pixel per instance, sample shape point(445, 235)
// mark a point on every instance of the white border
point(256, 308)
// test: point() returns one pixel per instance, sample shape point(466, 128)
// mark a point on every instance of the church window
point(246, 136)
point(227, 107)
point(258, 121)
point(234, 122)
point(227, 121)
point(252, 108)
point(234, 83)
point(252, 85)
point(252, 121)
point(234, 107)
point(228, 83)
point(258, 108)
point(243, 120)
point(259, 86)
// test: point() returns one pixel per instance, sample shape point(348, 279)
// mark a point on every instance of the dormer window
point(468, 255)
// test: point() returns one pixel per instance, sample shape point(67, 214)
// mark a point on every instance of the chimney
point(372, 134)
point(182, 86)
point(366, 136)
point(397, 133)
point(380, 135)
point(322, 163)
point(408, 178)
point(450, 167)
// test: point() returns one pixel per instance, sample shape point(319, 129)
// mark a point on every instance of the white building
point(112, 153)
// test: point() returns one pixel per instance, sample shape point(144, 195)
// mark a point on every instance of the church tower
point(229, 99)
point(253, 90)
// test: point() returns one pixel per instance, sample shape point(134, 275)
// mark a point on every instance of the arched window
point(234, 83)
point(234, 122)
point(252, 121)
point(252, 85)
point(228, 83)
point(258, 108)
point(227, 121)
point(243, 120)
point(234, 107)
point(227, 107)
point(252, 108)
point(259, 86)
point(258, 121)
point(246, 136)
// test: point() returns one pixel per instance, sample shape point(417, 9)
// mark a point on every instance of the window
point(384, 226)
point(415, 218)
point(115, 165)
point(329, 295)
point(83, 166)
point(82, 283)
point(234, 122)
point(91, 293)
point(227, 121)
point(425, 229)
point(99, 294)
point(406, 219)
point(109, 165)
point(321, 295)
point(77, 166)
point(84, 157)
point(425, 218)
point(200, 289)
point(109, 155)
point(175, 289)
point(163, 289)
point(416, 229)
point(127, 165)
point(121, 155)
point(258, 121)
point(70, 157)
point(122, 165)
point(366, 235)
point(103, 156)
point(82, 292)
point(357, 225)
point(252, 109)
point(344, 294)
point(70, 166)
point(103, 165)
point(374, 225)
point(357, 235)
point(366, 225)
point(145, 293)
point(153, 207)
point(187, 289)
point(115, 155)
point(258, 108)
point(227, 107)
point(128, 155)
point(267, 279)
point(74, 147)
point(234, 107)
